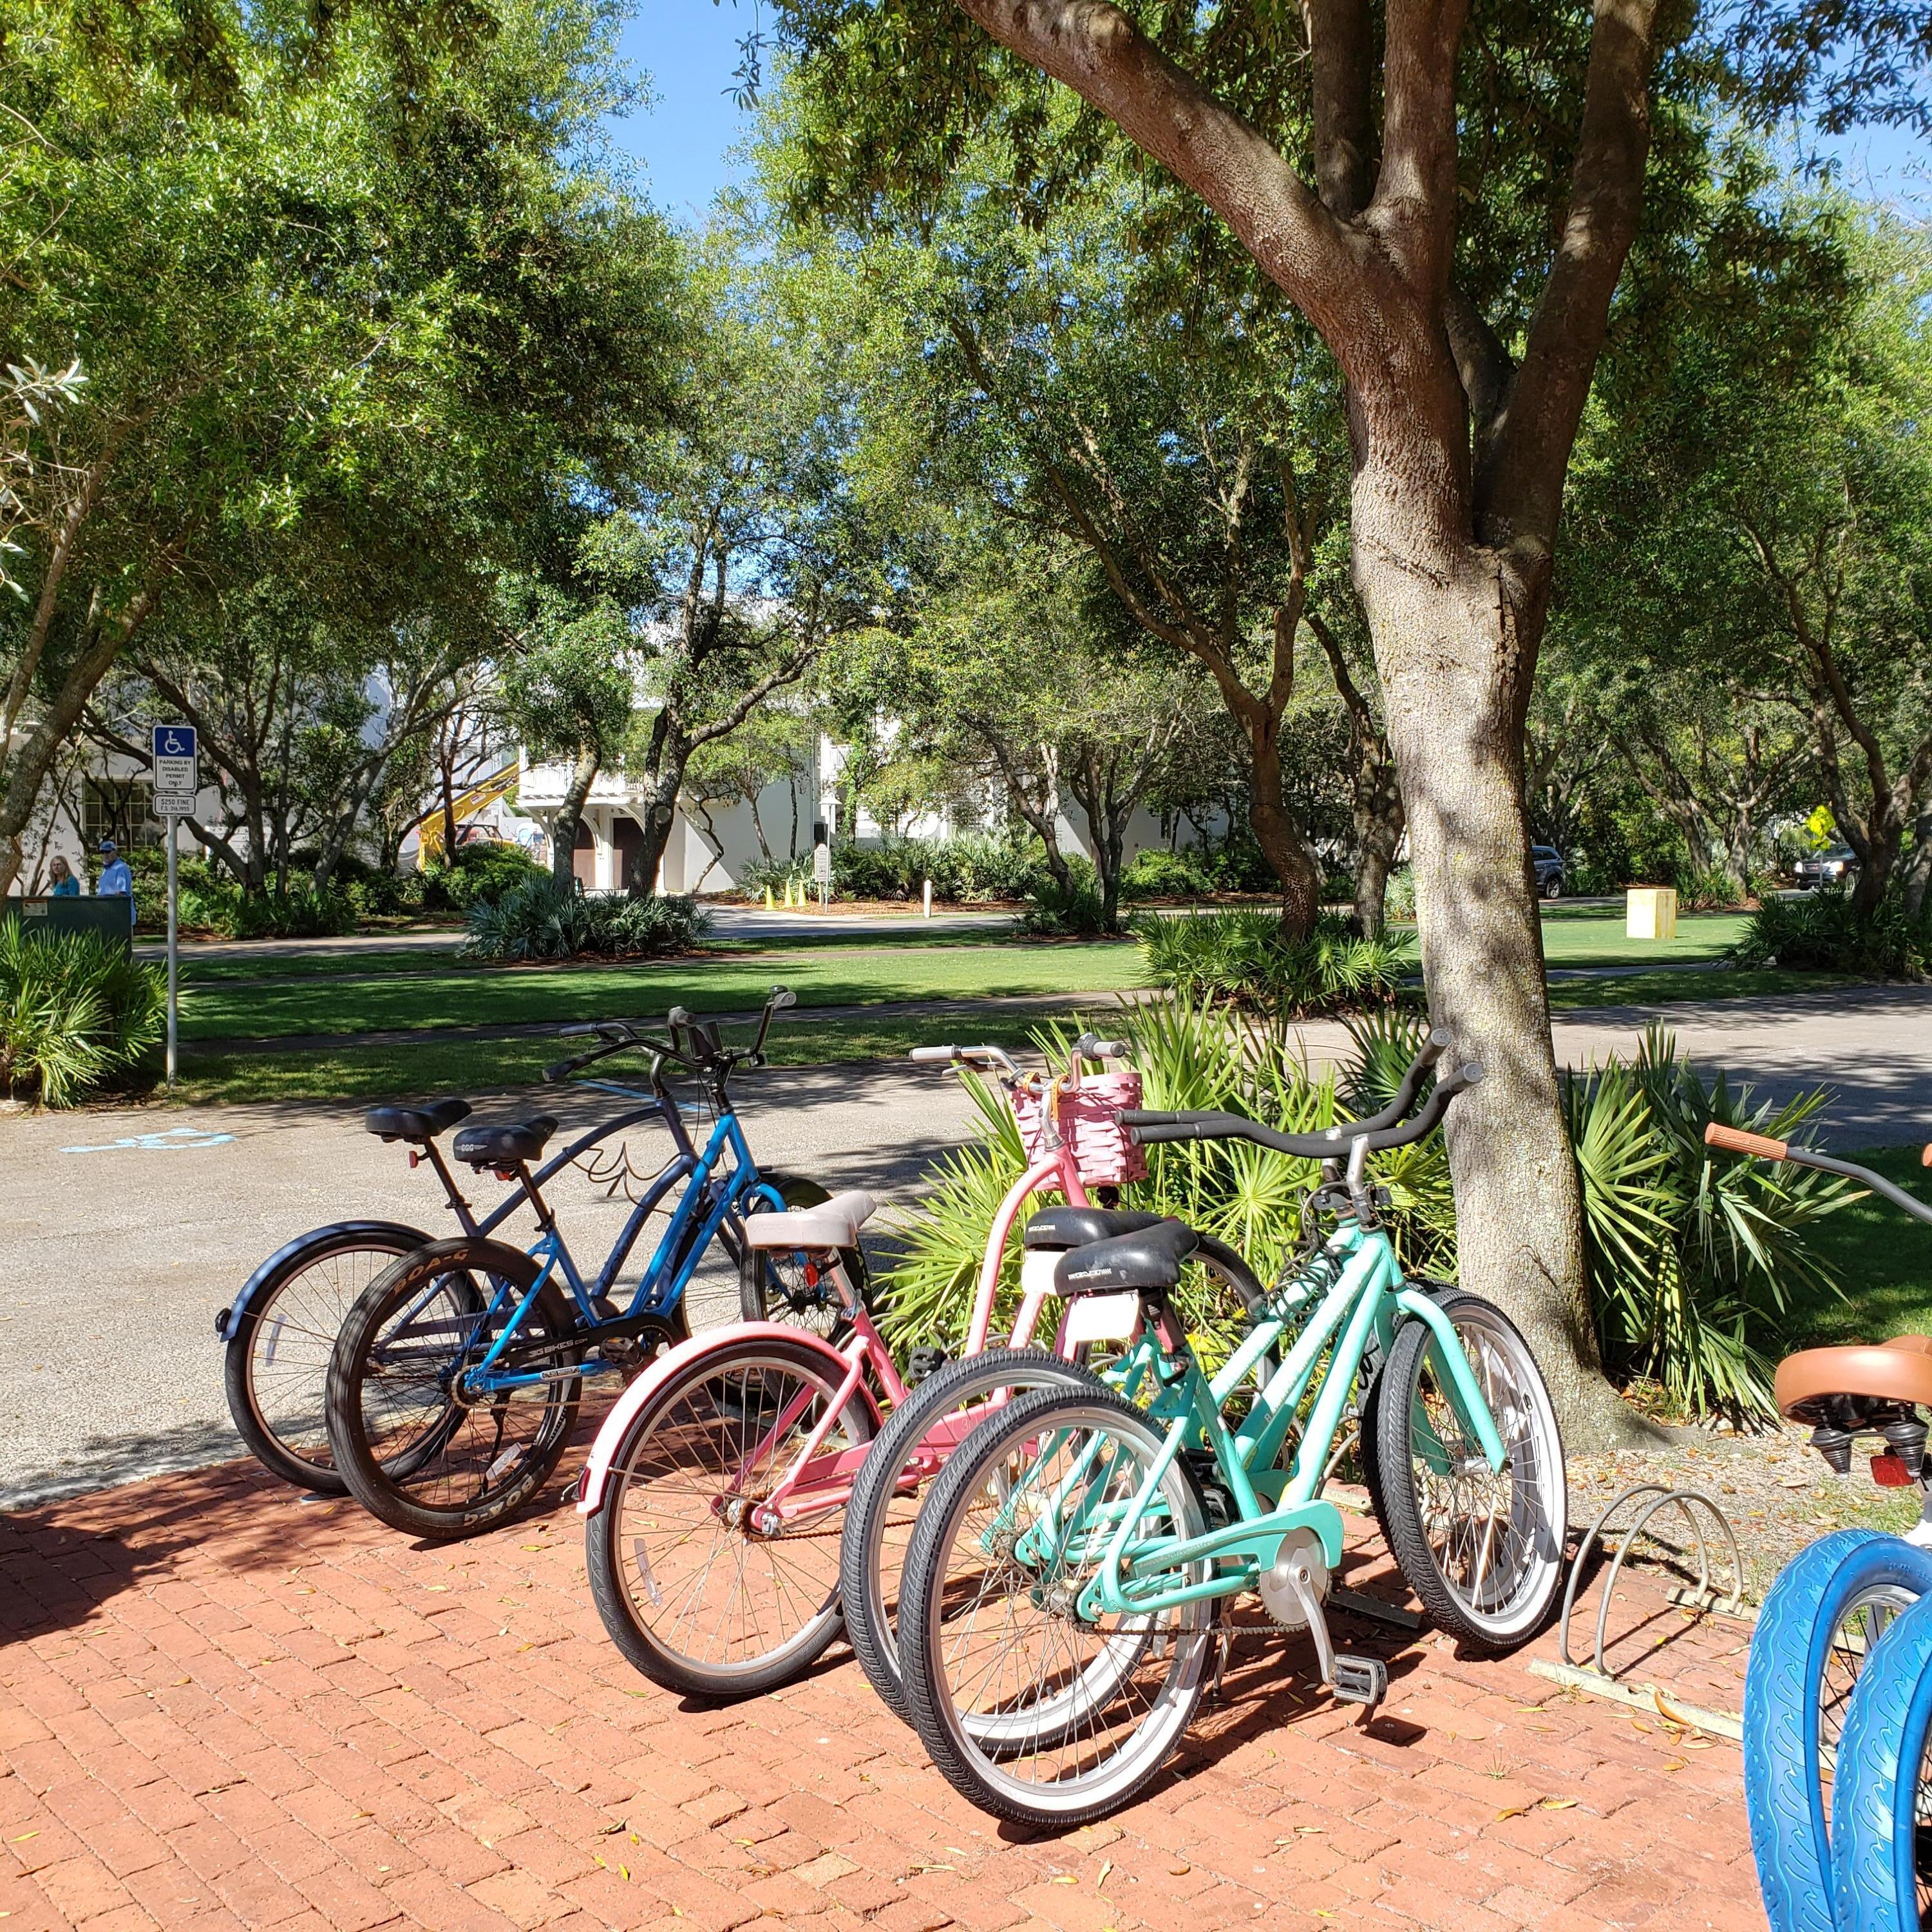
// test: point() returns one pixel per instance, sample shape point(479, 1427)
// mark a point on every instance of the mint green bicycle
point(1072, 1572)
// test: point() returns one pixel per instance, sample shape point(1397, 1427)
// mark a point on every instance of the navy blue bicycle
point(454, 1381)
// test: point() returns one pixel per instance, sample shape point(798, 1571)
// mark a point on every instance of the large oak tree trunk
point(1448, 630)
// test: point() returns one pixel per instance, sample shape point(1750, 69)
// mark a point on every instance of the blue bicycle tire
point(1875, 1805)
point(1783, 1680)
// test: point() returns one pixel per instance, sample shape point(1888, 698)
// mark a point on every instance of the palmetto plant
point(76, 1014)
point(1190, 1054)
point(1693, 1255)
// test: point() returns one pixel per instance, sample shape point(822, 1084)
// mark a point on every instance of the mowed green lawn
point(486, 995)
point(1594, 936)
point(1883, 1258)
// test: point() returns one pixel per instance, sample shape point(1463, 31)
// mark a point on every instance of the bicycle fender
point(226, 1319)
point(624, 1411)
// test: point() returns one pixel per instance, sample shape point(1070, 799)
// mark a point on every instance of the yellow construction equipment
point(470, 804)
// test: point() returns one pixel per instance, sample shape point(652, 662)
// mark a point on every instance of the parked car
point(1826, 868)
point(1549, 864)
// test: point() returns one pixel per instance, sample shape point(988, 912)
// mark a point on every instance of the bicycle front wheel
point(1882, 1795)
point(701, 1590)
point(1482, 1549)
point(1035, 1708)
point(1820, 1626)
point(773, 1286)
point(275, 1363)
point(422, 1446)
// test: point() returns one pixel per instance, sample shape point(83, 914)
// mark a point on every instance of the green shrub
point(1242, 957)
point(1708, 889)
point(1074, 911)
point(967, 868)
point(1398, 899)
point(1156, 874)
point(542, 920)
point(76, 1015)
point(1820, 932)
point(481, 872)
point(1693, 1256)
point(301, 913)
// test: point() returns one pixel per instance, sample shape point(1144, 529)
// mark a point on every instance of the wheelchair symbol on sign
point(172, 747)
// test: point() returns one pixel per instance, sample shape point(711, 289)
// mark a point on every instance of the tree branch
point(1341, 51)
point(1520, 490)
point(1092, 47)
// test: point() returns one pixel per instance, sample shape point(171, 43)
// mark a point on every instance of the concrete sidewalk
point(221, 1707)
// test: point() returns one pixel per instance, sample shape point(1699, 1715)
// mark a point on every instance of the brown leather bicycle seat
point(1900, 1370)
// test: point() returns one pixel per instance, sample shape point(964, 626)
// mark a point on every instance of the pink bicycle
point(717, 1492)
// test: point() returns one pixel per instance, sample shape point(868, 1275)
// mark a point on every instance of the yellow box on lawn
point(1650, 912)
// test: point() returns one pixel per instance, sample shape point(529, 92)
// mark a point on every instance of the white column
point(602, 854)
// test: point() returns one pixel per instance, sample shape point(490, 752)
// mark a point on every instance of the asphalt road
point(121, 1231)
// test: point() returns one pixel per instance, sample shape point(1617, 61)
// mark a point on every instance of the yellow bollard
point(768, 899)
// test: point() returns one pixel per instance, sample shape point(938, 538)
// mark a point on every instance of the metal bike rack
point(1702, 1519)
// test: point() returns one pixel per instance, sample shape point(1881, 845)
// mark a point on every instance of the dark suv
point(1549, 864)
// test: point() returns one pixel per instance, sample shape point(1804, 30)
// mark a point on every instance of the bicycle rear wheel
point(1032, 1710)
point(418, 1449)
point(275, 1362)
point(697, 1592)
point(1482, 1549)
point(885, 1503)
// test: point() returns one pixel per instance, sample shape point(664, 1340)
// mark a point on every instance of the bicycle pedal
point(924, 1361)
point(1359, 1680)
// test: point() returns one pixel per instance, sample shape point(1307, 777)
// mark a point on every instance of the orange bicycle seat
point(1900, 1371)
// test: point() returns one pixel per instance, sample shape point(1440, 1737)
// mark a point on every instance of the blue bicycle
point(454, 1382)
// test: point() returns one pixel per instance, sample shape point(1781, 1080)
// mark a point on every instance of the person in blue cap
point(117, 877)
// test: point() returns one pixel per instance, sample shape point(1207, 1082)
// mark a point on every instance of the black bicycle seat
point(1149, 1258)
point(415, 1123)
point(1080, 1227)
point(504, 1143)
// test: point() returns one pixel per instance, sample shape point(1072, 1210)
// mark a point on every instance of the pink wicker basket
point(1089, 1119)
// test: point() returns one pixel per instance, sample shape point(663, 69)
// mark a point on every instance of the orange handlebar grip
point(1925, 1159)
point(1738, 1142)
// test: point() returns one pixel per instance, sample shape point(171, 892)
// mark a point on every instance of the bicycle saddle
point(832, 1224)
point(1150, 1258)
point(415, 1123)
point(1809, 1386)
point(1080, 1227)
point(504, 1143)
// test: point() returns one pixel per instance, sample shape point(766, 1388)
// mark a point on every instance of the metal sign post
point(177, 779)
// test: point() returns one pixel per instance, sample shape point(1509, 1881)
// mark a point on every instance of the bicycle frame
point(1350, 1294)
point(703, 1210)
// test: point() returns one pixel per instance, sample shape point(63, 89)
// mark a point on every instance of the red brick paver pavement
point(222, 1706)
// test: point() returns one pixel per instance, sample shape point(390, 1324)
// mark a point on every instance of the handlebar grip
point(679, 1016)
point(933, 1055)
point(1925, 1159)
point(1157, 1131)
point(559, 1069)
point(780, 997)
point(1735, 1140)
point(577, 1026)
point(1090, 1048)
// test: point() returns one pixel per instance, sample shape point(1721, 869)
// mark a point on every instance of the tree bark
point(1442, 624)
point(569, 816)
point(1917, 876)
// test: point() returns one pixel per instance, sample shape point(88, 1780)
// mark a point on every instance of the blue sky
point(690, 47)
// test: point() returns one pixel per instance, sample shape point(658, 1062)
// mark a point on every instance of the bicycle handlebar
point(693, 1042)
point(1738, 1140)
point(1145, 1127)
